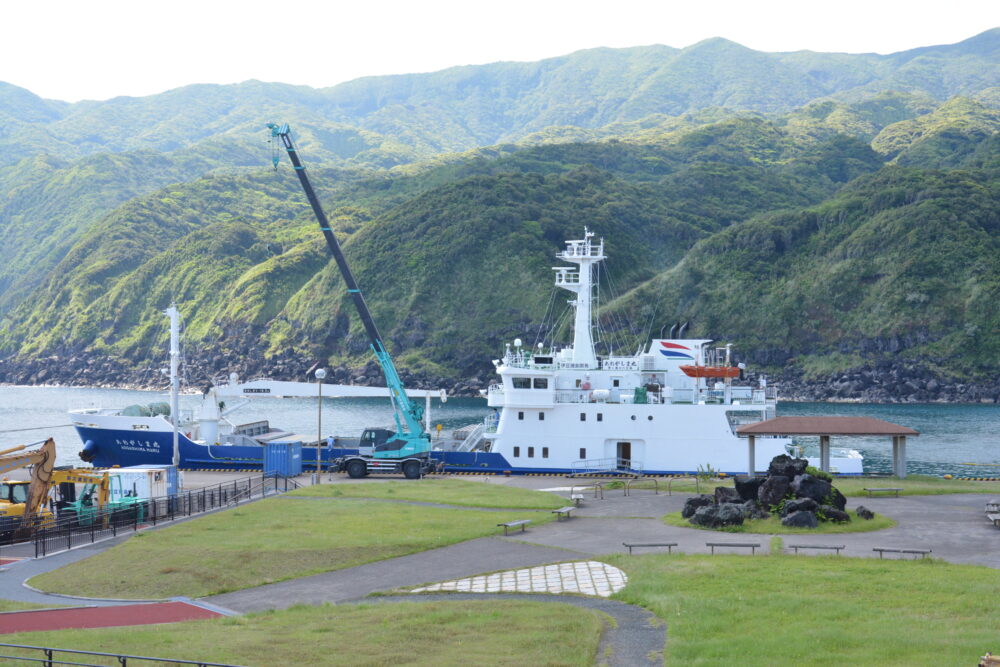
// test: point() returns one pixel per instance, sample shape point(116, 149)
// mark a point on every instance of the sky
point(72, 50)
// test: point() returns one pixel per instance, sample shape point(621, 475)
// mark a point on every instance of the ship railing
point(495, 389)
point(475, 437)
point(71, 530)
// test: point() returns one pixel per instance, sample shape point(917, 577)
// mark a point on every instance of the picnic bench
point(752, 545)
point(577, 498)
point(870, 491)
point(632, 545)
point(796, 547)
point(563, 512)
point(507, 525)
point(922, 552)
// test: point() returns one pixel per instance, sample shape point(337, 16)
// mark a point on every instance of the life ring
point(585, 386)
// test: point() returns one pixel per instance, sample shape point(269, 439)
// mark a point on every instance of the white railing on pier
point(629, 466)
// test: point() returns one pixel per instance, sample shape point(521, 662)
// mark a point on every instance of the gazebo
point(825, 427)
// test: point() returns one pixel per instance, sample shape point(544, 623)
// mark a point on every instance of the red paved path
point(7, 561)
point(102, 617)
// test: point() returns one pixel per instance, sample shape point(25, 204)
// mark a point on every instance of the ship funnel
point(680, 332)
point(673, 331)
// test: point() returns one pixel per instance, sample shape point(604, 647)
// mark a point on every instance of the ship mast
point(579, 279)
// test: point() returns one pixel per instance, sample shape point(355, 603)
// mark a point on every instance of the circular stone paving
point(587, 577)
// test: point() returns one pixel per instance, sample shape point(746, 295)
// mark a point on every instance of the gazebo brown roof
point(825, 426)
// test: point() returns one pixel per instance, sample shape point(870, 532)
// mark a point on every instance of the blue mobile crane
point(407, 450)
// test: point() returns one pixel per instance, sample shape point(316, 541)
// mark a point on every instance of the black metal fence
point(47, 657)
point(73, 530)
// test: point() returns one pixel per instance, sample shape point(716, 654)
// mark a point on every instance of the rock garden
point(800, 496)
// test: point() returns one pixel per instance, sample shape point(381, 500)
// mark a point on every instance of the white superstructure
point(568, 409)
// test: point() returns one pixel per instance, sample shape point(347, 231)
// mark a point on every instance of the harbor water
point(962, 440)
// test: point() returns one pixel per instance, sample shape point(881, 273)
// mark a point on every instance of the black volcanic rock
point(693, 504)
point(773, 490)
point(747, 486)
point(800, 520)
point(786, 466)
point(807, 486)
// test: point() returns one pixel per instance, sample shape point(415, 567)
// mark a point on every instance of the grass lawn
point(267, 541)
point(772, 526)
point(444, 491)
point(501, 632)
point(913, 485)
point(10, 605)
point(816, 610)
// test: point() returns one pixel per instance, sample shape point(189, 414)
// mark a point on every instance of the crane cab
point(373, 440)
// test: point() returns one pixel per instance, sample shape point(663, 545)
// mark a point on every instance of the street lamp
point(320, 375)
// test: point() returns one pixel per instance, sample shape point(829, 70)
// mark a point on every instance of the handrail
point(656, 485)
point(122, 658)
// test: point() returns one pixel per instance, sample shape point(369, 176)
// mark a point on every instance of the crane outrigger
point(407, 450)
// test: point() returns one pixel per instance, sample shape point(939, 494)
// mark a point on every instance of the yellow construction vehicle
point(25, 505)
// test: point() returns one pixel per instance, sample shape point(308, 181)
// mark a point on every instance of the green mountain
point(832, 215)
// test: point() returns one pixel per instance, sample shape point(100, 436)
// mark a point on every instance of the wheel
point(411, 470)
point(356, 469)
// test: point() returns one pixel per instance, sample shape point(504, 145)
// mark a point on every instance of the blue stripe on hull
point(133, 448)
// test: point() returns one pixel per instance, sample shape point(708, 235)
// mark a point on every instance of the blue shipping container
point(283, 458)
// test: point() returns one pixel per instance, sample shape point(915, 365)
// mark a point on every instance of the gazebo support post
point(899, 456)
point(824, 453)
point(751, 443)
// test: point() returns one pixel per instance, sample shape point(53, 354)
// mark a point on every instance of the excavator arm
point(44, 461)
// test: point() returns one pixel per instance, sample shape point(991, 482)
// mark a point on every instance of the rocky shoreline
point(885, 383)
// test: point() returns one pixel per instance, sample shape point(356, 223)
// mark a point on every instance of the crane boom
point(411, 439)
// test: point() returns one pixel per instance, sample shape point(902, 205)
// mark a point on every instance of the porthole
point(633, 417)
point(650, 417)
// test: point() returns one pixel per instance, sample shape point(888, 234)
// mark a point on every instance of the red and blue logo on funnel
point(673, 350)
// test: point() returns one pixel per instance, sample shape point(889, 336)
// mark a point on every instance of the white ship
point(672, 408)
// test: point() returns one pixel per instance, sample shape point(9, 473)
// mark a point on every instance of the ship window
point(583, 416)
point(650, 417)
point(541, 416)
point(600, 416)
point(583, 452)
point(541, 383)
point(517, 452)
point(520, 415)
point(521, 383)
point(633, 417)
point(531, 452)
point(545, 452)
point(616, 382)
point(578, 382)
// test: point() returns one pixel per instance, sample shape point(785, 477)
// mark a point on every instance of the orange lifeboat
point(711, 371)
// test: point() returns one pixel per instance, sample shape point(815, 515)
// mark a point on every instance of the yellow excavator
point(24, 505)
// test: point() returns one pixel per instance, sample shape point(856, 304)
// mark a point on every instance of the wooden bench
point(631, 545)
point(871, 490)
point(753, 545)
point(563, 512)
point(995, 518)
point(577, 499)
point(796, 547)
point(514, 524)
point(923, 552)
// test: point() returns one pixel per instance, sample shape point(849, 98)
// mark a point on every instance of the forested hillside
point(833, 216)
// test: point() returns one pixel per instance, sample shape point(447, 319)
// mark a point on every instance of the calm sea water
point(956, 439)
